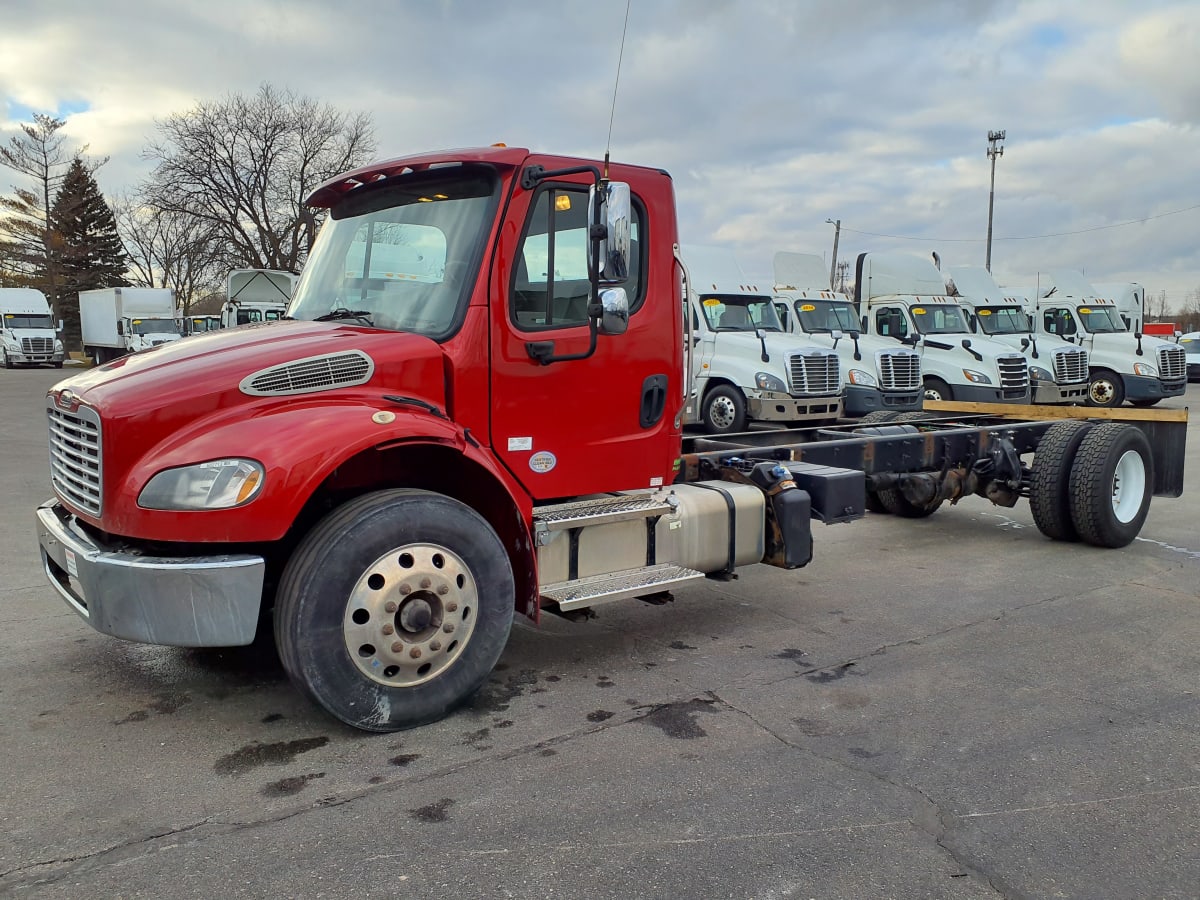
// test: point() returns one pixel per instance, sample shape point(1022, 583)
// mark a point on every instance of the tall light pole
point(837, 232)
point(994, 150)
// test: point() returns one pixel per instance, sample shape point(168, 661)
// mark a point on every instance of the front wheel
point(1105, 388)
point(8, 363)
point(724, 410)
point(936, 389)
point(394, 609)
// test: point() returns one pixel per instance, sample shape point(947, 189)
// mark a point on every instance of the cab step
point(596, 511)
point(597, 589)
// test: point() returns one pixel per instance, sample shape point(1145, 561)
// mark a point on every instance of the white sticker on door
point(543, 461)
point(525, 443)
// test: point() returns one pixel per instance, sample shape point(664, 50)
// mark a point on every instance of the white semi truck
point(904, 298)
point(1122, 365)
point(876, 373)
point(122, 320)
point(1058, 370)
point(745, 368)
point(1129, 297)
point(27, 333)
point(200, 324)
point(256, 295)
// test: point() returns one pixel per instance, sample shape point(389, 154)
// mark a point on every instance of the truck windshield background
point(817, 316)
point(154, 326)
point(1101, 319)
point(1002, 320)
point(733, 312)
point(20, 320)
point(403, 254)
point(939, 319)
point(550, 286)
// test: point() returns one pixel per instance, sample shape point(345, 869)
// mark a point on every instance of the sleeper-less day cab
point(475, 409)
point(27, 333)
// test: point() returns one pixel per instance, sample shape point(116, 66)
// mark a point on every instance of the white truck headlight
point(1037, 373)
point(861, 377)
point(1145, 369)
point(976, 377)
point(768, 382)
point(218, 484)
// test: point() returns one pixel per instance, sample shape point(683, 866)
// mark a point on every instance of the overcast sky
point(771, 116)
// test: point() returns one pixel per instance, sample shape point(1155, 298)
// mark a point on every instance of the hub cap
point(410, 615)
point(722, 412)
point(1129, 486)
point(1101, 392)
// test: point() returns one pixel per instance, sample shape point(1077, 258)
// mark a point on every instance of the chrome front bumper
point(194, 601)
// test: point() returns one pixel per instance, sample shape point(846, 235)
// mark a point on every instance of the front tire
point(394, 609)
point(724, 410)
point(1105, 389)
point(1112, 480)
point(8, 363)
point(936, 389)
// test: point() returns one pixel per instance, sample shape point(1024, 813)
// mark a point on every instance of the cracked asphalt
point(953, 707)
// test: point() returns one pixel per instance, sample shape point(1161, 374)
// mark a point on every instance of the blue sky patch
point(1048, 36)
point(19, 112)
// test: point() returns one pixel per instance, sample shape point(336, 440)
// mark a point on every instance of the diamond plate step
point(597, 589)
point(597, 511)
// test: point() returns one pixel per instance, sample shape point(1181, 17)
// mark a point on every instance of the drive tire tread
point(1050, 484)
point(1091, 484)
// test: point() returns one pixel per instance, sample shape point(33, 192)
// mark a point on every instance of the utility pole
point(994, 150)
point(837, 232)
point(843, 268)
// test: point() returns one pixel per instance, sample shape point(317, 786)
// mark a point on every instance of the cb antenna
point(616, 83)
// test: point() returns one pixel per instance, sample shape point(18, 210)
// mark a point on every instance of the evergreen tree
point(84, 244)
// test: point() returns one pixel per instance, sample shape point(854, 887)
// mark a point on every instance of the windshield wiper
point(363, 315)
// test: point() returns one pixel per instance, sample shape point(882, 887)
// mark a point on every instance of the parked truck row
point(384, 479)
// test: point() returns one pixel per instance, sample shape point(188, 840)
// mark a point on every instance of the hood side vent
point(309, 375)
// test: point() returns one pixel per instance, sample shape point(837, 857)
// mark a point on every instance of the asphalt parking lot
point(950, 707)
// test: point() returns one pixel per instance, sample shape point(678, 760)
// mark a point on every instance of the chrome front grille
point(814, 372)
point(1070, 366)
point(1172, 363)
point(37, 345)
point(314, 373)
point(899, 370)
point(1014, 372)
point(75, 458)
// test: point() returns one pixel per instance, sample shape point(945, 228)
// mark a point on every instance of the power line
point(1029, 237)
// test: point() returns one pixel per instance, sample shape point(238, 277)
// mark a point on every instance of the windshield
point(401, 254)
point(153, 326)
point(936, 318)
point(739, 312)
point(27, 320)
point(1101, 319)
point(1002, 320)
point(826, 315)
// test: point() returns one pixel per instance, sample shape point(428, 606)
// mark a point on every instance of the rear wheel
point(1105, 388)
point(1050, 484)
point(394, 609)
point(1112, 480)
point(936, 389)
point(724, 410)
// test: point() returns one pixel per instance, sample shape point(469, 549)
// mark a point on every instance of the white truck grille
point(1014, 374)
point(814, 372)
point(75, 460)
point(1172, 363)
point(1070, 366)
point(899, 370)
point(37, 345)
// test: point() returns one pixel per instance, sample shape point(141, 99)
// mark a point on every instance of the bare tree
point(243, 165)
point(172, 249)
point(38, 154)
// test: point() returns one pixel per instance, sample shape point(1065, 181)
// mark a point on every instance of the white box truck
point(745, 368)
point(904, 298)
point(256, 295)
point(27, 333)
point(876, 374)
point(1058, 370)
point(121, 320)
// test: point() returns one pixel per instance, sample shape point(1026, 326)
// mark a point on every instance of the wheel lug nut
point(443, 590)
point(388, 628)
point(448, 627)
point(436, 645)
point(398, 647)
point(390, 606)
point(405, 590)
point(425, 582)
point(415, 652)
point(451, 606)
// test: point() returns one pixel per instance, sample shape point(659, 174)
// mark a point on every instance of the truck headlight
point(976, 377)
point(860, 377)
point(1145, 369)
point(218, 484)
point(1037, 373)
point(768, 382)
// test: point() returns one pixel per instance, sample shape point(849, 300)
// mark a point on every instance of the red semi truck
point(473, 409)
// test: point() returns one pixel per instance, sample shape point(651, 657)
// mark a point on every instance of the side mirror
point(60, 324)
point(837, 334)
point(614, 315)
point(611, 251)
point(1024, 343)
point(121, 327)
